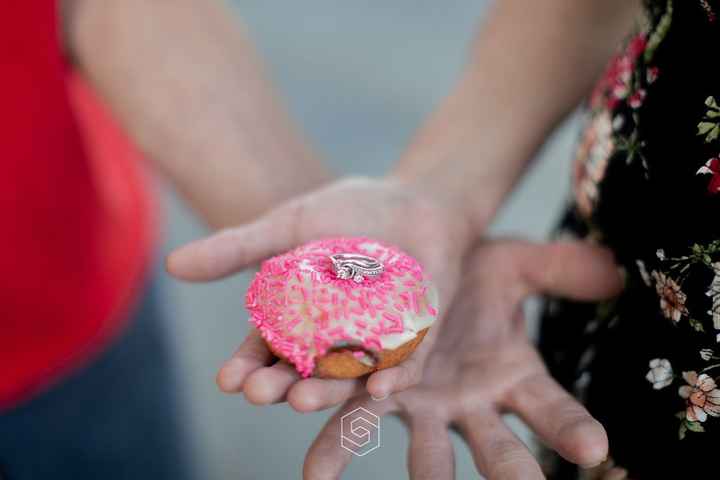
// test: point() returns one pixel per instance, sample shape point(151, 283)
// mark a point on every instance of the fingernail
point(593, 465)
point(380, 399)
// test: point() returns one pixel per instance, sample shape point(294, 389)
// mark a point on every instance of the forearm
point(187, 86)
point(531, 64)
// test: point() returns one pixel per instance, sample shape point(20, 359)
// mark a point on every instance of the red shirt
point(74, 210)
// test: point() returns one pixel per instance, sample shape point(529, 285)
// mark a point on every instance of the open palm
point(483, 365)
point(387, 210)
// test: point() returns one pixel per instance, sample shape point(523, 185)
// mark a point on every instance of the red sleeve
point(73, 209)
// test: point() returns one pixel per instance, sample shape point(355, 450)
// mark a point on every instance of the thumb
point(234, 249)
point(572, 269)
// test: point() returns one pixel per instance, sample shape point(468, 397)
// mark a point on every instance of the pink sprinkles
point(302, 310)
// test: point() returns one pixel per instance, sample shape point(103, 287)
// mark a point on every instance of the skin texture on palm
point(483, 365)
point(388, 210)
point(479, 364)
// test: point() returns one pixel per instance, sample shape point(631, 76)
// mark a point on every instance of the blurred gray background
point(360, 77)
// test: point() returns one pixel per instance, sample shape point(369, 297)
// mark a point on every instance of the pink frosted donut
point(342, 307)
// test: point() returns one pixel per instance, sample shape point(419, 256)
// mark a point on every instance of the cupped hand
point(434, 232)
point(484, 365)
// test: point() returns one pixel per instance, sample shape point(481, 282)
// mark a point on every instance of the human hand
point(484, 365)
point(434, 232)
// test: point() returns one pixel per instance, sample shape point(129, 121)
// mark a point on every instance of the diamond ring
point(355, 266)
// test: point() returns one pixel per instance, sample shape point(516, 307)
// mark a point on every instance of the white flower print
point(672, 298)
point(702, 396)
point(660, 374)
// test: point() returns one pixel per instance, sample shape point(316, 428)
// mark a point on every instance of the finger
point(270, 385)
point(327, 459)
point(251, 355)
point(313, 394)
point(559, 420)
point(383, 383)
point(497, 452)
point(234, 249)
point(615, 474)
point(576, 270)
point(430, 455)
point(406, 374)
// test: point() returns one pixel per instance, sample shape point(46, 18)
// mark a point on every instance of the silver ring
point(355, 266)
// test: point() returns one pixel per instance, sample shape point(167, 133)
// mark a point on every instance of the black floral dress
point(647, 185)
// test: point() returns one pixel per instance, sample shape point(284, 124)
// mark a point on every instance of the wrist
point(467, 154)
point(460, 225)
point(467, 198)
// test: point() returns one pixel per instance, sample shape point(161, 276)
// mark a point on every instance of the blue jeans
point(118, 418)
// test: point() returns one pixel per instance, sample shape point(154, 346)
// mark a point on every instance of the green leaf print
point(709, 126)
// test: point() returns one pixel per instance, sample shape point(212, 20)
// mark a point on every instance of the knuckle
point(569, 416)
point(504, 451)
point(508, 460)
point(258, 394)
point(532, 384)
point(410, 375)
point(302, 402)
